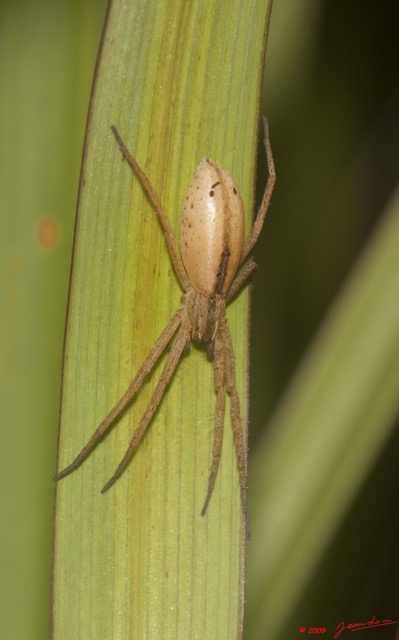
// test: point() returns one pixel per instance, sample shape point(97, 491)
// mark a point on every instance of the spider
point(211, 269)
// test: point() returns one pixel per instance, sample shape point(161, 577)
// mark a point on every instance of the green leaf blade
point(140, 561)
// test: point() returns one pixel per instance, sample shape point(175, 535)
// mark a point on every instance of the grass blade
point(180, 81)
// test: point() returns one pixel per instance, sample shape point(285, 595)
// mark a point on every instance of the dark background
point(331, 94)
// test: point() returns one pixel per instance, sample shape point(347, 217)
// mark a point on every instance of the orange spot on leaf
point(48, 233)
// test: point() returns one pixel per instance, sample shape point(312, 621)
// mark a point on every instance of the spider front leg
point(260, 217)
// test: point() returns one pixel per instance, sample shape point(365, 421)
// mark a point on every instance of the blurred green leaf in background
point(47, 56)
point(331, 96)
point(325, 371)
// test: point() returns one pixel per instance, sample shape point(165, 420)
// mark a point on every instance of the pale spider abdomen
point(212, 229)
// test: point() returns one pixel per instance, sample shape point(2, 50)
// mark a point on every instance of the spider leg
point(220, 387)
point(239, 439)
point(178, 346)
point(225, 381)
point(260, 218)
point(240, 279)
point(132, 389)
point(241, 454)
point(156, 203)
point(217, 444)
